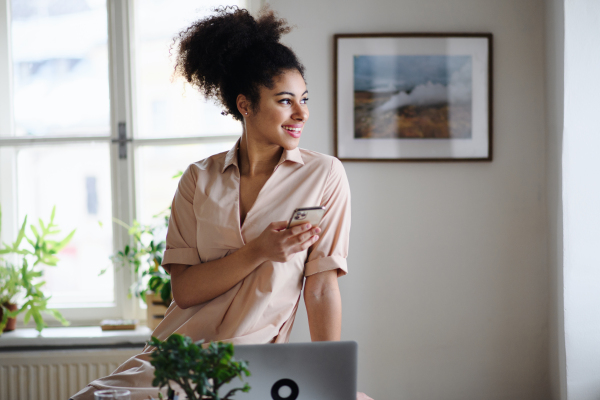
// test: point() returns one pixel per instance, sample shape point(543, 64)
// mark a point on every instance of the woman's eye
point(304, 100)
point(285, 101)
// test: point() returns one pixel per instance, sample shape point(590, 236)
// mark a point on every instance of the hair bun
point(232, 50)
point(215, 45)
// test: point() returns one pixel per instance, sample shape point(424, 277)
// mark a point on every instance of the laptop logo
point(281, 383)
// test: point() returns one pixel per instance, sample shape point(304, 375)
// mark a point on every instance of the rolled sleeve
point(181, 256)
point(326, 264)
point(331, 250)
point(181, 234)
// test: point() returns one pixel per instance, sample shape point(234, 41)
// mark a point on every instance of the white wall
point(448, 285)
point(581, 196)
point(555, 38)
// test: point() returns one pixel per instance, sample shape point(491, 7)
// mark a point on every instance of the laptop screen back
point(298, 371)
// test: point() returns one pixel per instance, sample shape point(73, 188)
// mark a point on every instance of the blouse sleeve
point(181, 234)
point(331, 250)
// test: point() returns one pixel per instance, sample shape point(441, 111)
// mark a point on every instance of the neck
point(256, 158)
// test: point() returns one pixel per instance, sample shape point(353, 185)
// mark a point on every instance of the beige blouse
point(205, 226)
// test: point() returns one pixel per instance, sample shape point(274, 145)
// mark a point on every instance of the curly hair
point(232, 53)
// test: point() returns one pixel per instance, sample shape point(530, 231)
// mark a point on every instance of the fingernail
point(307, 226)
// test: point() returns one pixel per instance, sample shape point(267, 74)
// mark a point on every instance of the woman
point(236, 271)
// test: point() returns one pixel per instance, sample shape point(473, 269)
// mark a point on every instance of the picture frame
point(413, 97)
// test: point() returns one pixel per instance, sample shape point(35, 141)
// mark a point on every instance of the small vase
point(11, 324)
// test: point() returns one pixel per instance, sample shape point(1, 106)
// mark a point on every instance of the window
point(91, 121)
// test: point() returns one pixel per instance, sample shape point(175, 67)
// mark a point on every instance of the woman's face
point(281, 112)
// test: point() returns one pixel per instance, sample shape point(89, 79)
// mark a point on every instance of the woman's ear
point(243, 105)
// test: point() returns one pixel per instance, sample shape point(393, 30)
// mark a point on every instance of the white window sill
point(90, 337)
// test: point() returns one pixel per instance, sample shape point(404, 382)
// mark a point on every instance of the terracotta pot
point(11, 324)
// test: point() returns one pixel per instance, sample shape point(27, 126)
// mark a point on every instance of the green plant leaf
point(25, 279)
point(119, 222)
point(199, 370)
point(20, 235)
point(52, 215)
point(58, 316)
point(165, 293)
point(44, 228)
point(61, 245)
point(35, 231)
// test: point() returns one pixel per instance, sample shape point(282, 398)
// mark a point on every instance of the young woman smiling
point(237, 272)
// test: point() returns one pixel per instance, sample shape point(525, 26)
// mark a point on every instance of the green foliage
point(199, 371)
point(24, 278)
point(144, 255)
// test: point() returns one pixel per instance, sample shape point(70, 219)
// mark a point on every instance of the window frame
point(121, 48)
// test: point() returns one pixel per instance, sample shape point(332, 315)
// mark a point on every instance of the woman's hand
point(276, 243)
point(193, 285)
point(362, 396)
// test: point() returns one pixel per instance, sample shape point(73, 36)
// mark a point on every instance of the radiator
point(55, 374)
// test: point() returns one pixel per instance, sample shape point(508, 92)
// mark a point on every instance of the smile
point(293, 131)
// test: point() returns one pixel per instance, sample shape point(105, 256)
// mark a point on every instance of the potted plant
point(200, 371)
point(144, 254)
point(10, 286)
point(20, 274)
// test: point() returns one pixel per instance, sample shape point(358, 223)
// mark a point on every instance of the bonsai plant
point(20, 279)
point(200, 371)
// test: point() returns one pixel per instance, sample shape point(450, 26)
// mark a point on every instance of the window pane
point(60, 67)
point(75, 179)
point(156, 166)
point(164, 107)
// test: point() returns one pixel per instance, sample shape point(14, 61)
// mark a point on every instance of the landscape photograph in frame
point(413, 97)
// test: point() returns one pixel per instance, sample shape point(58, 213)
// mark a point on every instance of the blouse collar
point(288, 155)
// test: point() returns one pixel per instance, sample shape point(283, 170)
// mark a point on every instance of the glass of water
point(118, 394)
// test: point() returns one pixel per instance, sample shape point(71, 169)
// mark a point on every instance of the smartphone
point(312, 215)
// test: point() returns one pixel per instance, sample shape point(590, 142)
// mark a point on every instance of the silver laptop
point(298, 371)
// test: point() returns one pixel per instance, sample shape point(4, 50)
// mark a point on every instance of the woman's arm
point(323, 306)
point(195, 284)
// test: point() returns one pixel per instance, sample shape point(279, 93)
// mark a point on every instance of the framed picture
point(413, 97)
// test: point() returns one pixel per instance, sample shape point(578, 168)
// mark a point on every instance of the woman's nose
point(300, 113)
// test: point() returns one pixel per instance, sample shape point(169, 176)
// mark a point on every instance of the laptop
point(298, 371)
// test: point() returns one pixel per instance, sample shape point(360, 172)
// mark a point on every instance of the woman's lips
point(293, 130)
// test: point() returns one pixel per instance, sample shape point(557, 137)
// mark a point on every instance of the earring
point(246, 113)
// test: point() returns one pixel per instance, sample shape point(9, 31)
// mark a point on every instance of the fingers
point(278, 225)
point(297, 230)
point(306, 244)
point(304, 241)
point(303, 234)
point(280, 243)
point(306, 236)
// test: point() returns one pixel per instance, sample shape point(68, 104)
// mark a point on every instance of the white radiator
point(55, 374)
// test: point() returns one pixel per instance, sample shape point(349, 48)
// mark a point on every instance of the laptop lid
point(298, 371)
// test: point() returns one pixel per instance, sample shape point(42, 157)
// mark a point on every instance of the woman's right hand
point(276, 243)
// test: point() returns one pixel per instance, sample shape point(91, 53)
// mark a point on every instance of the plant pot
point(156, 310)
point(11, 324)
